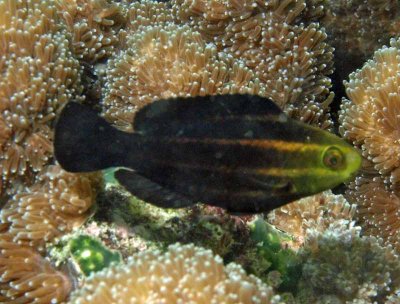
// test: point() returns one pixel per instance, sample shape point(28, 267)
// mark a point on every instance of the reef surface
point(73, 238)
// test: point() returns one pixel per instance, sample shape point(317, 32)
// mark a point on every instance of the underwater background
point(82, 238)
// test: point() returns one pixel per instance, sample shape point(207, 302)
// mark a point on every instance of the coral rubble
point(125, 223)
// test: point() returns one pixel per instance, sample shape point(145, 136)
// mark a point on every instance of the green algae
point(271, 249)
point(91, 255)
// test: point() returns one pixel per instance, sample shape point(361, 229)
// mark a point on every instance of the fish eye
point(333, 158)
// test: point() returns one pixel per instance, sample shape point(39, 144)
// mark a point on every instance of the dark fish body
point(239, 152)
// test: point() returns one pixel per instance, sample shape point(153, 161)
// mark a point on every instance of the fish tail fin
point(84, 141)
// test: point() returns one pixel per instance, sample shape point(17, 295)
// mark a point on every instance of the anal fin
point(150, 191)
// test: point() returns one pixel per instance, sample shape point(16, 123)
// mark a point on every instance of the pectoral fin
point(151, 192)
point(270, 184)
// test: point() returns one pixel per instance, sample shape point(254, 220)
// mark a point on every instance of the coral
point(239, 24)
point(94, 25)
point(54, 205)
point(91, 255)
point(315, 10)
point(393, 299)
point(315, 212)
point(38, 76)
point(339, 266)
point(168, 61)
point(289, 58)
point(294, 66)
point(378, 209)
point(145, 13)
point(369, 118)
point(26, 277)
point(134, 52)
point(210, 18)
point(358, 27)
point(213, 47)
point(186, 274)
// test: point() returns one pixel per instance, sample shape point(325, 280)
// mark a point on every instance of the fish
point(239, 152)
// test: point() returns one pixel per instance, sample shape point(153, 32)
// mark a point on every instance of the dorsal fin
point(161, 114)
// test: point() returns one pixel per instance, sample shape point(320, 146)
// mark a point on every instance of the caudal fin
point(84, 141)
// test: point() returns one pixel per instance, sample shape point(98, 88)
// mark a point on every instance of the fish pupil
point(333, 158)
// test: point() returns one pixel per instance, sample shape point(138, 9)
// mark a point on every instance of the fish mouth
point(352, 176)
point(353, 161)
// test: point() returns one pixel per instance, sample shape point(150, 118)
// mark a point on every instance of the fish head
point(324, 164)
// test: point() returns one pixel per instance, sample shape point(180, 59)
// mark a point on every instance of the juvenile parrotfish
point(239, 152)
